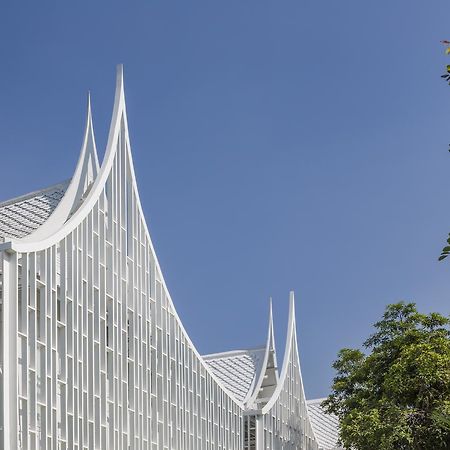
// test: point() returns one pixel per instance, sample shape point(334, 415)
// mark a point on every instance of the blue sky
point(278, 145)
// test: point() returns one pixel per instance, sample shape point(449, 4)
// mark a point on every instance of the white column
point(259, 432)
point(10, 396)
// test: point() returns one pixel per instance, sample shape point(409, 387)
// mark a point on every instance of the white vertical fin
point(9, 376)
point(268, 377)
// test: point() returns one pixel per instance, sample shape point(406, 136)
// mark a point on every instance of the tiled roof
point(22, 215)
point(237, 369)
point(325, 426)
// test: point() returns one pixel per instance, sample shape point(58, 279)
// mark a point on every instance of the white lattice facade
point(94, 355)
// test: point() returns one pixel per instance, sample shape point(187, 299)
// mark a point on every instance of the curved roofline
point(291, 345)
point(111, 139)
point(119, 114)
point(88, 155)
point(232, 353)
point(237, 372)
point(67, 227)
point(270, 345)
point(287, 355)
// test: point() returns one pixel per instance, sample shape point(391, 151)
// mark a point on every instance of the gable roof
point(325, 426)
point(22, 215)
point(238, 370)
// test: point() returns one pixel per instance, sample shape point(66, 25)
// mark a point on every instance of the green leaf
point(396, 395)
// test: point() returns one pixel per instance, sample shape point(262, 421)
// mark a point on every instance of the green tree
point(446, 76)
point(396, 395)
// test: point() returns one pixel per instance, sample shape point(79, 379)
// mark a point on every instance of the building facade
point(94, 355)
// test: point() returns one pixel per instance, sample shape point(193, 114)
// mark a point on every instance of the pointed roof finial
point(268, 376)
point(89, 102)
point(89, 109)
point(120, 70)
point(119, 79)
point(88, 165)
point(292, 305)
point(89, 148)
point(290, 352)
point(119, 112)
point(85, 174)
point(271, 337)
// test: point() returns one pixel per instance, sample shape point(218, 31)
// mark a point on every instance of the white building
point(94, 355)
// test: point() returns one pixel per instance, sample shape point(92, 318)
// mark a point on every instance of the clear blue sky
point(278, 145)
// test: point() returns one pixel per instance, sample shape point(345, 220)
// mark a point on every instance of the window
point(250, 433)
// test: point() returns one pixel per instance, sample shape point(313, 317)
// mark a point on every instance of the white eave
point(237, 370)
point(21, 216)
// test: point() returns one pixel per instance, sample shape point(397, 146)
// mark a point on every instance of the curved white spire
point(289, 395)
point(290, 355)
point(84, 176)
point(268, 376)
point(88, 159)
point(62, 222)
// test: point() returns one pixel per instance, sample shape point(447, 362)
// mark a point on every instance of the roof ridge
point(24, 197)
point(316, 400)
point(231, 353)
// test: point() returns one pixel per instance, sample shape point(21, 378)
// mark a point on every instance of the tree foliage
point(446, 76)
point(397, 394)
